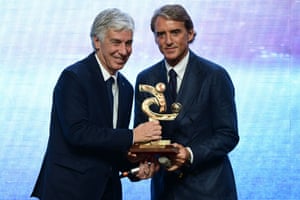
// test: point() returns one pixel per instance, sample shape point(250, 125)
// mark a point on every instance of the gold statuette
point(159, 146)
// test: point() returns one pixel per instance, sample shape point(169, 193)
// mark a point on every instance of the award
point(161, 147)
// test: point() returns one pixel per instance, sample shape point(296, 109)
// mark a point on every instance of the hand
point(147, 169)
point(182, 157)
point(134, 158)
point(147, 132)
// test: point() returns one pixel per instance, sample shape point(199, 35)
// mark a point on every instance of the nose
point(168, 39)
point(124, 49)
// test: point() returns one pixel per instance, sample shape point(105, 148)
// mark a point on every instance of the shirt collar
point(105, 73)
point(180, 67)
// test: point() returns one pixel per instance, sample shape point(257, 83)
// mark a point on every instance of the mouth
point(120, 60)
point(170, 50)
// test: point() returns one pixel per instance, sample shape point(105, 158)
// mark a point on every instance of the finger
point(131, 154)
point(154, 122)
point(173, 168)
point(175, 144)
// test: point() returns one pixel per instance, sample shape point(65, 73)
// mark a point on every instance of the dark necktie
point(173, 84)
point(109, 83)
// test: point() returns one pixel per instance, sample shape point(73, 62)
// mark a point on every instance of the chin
point(171, 58)
point(170, 54)
point(118, 67)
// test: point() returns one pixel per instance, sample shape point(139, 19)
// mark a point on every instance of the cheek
point(183, 42)
point(129, 50)
point(159, 42)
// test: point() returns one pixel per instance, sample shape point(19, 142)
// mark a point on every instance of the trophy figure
point(161, 147)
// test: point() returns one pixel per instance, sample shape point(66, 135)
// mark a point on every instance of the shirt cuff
point(191, 153)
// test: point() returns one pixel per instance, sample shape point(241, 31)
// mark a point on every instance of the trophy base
point(160, 147)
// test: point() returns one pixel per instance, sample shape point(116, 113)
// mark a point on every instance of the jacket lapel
point(101, 90)
point(122, 101)
point(190, 85)
point(162, 75)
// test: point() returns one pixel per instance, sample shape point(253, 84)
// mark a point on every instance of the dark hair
point(173, 12)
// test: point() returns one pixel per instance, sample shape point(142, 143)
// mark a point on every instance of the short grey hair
point(111, 18)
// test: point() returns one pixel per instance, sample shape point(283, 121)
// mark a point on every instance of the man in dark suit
point(89, 136)
point(205, 130)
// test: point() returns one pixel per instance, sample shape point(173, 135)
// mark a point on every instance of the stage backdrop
point(257, 41)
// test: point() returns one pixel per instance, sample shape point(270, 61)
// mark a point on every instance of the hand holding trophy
point(157, 148)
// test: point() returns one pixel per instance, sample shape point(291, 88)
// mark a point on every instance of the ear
point(96, 42)
point(155, 38)
point(191, 35)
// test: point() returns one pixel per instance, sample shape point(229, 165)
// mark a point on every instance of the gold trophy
point(161, 147)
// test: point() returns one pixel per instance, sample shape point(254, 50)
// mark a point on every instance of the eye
point(160, 34)
point(175, 32)
point(115, 42)
point(128, 43)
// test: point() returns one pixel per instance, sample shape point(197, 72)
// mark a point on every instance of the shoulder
point(83, 65)
point(205, 65)
point(152, 70)
point(82, 71)
point(85, 68)
point(208, 70)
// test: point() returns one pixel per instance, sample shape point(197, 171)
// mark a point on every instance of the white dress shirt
point(115, 90)
point(180, 70)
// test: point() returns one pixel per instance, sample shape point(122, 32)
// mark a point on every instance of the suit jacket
point(84, 152)
point(207, 123)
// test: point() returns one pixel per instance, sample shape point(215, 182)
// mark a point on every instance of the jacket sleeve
point(71, 102)
point(222, 130)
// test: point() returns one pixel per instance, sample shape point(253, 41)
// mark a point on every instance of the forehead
point(123, 35)
point(163, 24)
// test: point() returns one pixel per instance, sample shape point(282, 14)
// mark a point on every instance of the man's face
point(172, 39)
point(114, 50)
